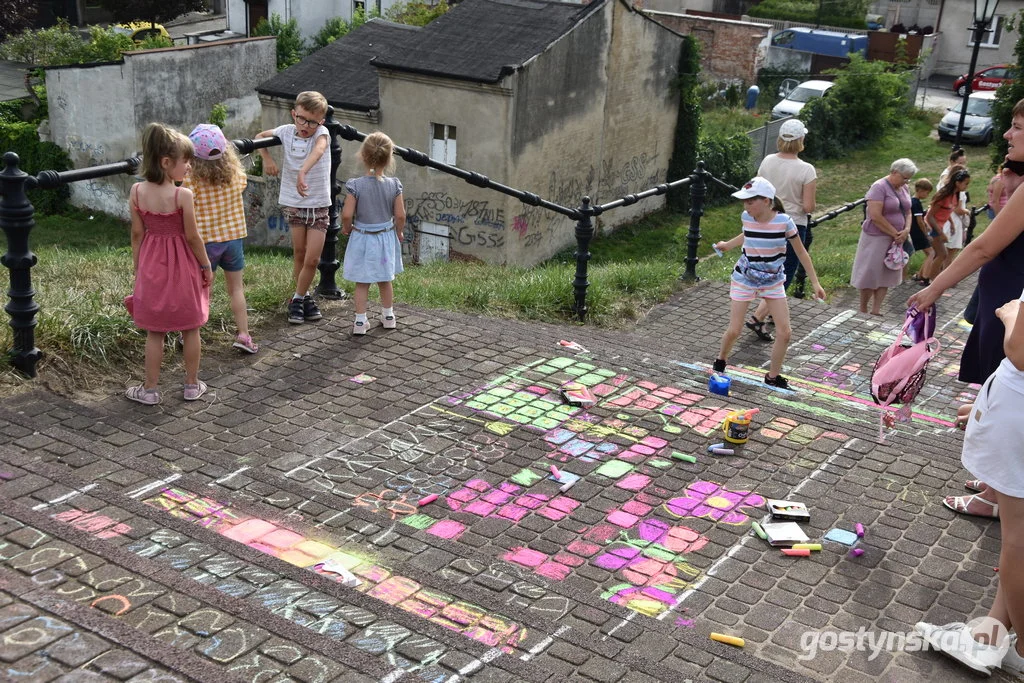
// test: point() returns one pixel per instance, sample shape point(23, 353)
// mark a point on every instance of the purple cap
point(208, 141)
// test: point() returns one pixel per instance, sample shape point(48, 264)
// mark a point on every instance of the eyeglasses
point(303, 121)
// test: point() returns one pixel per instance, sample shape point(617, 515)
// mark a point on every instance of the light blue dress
point(374, 253)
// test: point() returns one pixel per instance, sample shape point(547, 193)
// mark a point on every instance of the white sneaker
point(359, 327)
point(1013, 662)
point(955, 640)
point(389, 321)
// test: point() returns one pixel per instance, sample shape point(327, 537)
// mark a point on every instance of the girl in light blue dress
point(373, 218)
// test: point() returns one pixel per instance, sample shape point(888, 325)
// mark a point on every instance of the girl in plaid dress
point(217, 182)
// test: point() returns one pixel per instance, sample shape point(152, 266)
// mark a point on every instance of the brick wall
point(729, 48)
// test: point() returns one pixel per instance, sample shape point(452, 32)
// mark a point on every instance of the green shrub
point(842, 13)
point(105, 45)
point(416, 13)
point(333, 28)
point(35, 155)
point(290, 45)
point(727, 157)
point(219, 115)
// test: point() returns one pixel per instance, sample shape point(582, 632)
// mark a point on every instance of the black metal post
point(698, 190)
point(16, 220)
point(979, 29)
point(584, 233)
point(329, 265)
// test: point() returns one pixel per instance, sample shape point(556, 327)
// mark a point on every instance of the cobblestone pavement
point(279, 529)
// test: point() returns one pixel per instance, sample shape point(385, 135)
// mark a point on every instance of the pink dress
point(169, 294)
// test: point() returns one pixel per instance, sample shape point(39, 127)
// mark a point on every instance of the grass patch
point(84, 270)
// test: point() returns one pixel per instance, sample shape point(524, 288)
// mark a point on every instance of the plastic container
point(719, 384)
point(737, 425)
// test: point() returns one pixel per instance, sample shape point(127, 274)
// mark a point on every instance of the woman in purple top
point(888, 221)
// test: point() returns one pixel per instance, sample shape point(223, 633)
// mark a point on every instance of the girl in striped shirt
point(759, 272)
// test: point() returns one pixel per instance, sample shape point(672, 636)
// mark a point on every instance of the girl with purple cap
point(217, 181)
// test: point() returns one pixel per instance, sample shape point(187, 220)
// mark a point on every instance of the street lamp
point(984, 10)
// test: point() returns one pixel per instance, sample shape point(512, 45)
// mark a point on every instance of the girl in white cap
point(759, 271)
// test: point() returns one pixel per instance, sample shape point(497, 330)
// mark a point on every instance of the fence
point(17, 220)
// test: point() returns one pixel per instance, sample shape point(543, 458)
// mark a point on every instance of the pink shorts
point(740, 291)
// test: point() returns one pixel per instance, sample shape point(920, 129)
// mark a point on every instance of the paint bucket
point(737, 425)
point(719, 384)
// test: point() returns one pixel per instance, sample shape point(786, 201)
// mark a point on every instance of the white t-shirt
point(294, 150)
point(789, 177)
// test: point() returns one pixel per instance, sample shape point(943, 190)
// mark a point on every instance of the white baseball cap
point(757, 187)
point(793, 129)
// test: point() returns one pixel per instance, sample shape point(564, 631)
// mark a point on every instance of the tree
point(15, 15)
point(152, 11)
point(291, 47)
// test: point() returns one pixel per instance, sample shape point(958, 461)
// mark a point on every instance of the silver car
point(977, 123)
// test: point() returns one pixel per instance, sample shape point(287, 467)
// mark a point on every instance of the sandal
point(757, 327)
point(962, 505)
point(976, 485)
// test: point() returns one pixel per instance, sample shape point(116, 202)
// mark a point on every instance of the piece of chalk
point(718, 251)
point(683, 456)
point(555, 473)
point(565, 487)
point(728, 640)
point(715, 445)
point(759, 531)
point(751, 413)
point(857, 552)
point(859, 528)
point(427, 500)
point(807, 546)
point(797, 552)
point(723, 451)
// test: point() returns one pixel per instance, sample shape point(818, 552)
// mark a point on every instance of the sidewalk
point(218, 540)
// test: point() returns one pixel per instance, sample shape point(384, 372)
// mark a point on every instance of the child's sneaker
point(140, 394)
point(194, 391)
point(245, 343)
point(360, 327)
point(310, 311)
point(778, 381)
point(295, 312)
point(389, 321)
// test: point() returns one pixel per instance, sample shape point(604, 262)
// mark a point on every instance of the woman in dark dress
point(999, 253)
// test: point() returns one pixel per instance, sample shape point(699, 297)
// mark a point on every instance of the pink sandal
point(962, 504)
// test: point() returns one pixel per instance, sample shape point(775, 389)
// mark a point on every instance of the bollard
point(584, 233)
point(16, 220)
point(328, 266)
point(698, 190)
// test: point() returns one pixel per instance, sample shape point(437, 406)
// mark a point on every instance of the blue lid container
point(719, 384)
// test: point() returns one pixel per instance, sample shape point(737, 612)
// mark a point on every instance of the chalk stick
point(683, 456)
point(722, 451)
point(857, 552)
point(427, 500)
point(859, 528)
point(728, 640)
point(714, 446)
point(797, 552)
point(759, 531)
point(565, 487)
point(555, 473)
point(807, 546)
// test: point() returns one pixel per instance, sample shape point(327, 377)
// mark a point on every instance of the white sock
point(295, 296)
point(387, 312)
point(360, 317)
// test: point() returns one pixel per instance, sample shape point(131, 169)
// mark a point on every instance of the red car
point(986, 79)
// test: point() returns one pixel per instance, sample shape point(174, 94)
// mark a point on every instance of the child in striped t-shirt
point(217, 181)
point(759, 271)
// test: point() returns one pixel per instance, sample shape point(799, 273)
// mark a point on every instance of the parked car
point(986, 79)
point(792, 103)
point(141, 30)
point(977, 123)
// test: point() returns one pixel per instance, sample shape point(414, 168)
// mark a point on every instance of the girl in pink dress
point(172, 270)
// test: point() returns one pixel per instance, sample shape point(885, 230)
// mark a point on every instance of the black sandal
point(757, 327)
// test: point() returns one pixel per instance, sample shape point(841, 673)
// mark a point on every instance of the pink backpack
point(899, 372)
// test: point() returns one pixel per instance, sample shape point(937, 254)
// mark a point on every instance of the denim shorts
point(228, 255)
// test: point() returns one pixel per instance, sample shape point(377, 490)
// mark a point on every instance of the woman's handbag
point(896, 257)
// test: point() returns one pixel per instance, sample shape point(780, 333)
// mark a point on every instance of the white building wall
point(310, 16)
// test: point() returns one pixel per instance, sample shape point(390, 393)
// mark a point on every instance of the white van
point(798, 97)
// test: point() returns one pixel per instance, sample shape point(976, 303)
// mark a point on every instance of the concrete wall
point(729, 49)
point(476, 219)
point(97, 113)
